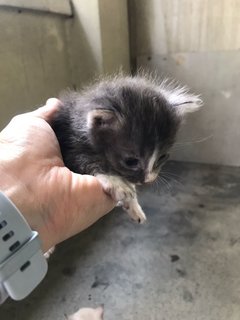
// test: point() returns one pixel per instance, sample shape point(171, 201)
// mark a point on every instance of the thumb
point(46, 112)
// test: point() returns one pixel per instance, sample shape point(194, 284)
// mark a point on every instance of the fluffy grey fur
point(120, 130)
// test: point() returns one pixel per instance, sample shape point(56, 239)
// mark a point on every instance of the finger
point(46, 112)
point(95, 195)
point(90, 200)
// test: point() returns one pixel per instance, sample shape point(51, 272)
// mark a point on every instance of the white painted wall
point(198, 43)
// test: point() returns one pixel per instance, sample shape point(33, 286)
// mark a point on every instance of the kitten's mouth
point(150, 178)
point(145, 182)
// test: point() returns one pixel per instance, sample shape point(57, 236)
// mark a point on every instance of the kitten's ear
point(182, 101)
point(102, 119)
point(187, 105)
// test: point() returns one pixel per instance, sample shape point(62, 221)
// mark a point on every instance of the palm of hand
point(55, 201)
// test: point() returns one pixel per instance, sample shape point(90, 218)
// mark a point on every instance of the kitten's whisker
point(187, 143)
point(166, 183)
point(195, 141)
point(159, 184)
point(170, 174)
point(156, 186)
point(173, 179)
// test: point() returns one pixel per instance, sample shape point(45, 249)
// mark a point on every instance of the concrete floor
point(184, 264)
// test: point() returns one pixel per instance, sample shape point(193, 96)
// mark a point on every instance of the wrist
point(23, 198)
point(22, 265)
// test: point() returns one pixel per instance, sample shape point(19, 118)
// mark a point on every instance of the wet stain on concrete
point(180, 224)
point(99, 283)
point(187, 296)
point(234, 241)
point(127, 241)
point(174, 257)
point(182, 273)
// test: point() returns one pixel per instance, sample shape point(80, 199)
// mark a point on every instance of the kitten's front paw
point(135, 211)
point(125, 194)
point(118, 189)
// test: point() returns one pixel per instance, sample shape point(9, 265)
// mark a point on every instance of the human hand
point(55, 201)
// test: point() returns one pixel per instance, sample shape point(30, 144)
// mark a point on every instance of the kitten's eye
point(131, 162)
point(162, 159)
point(98, 121)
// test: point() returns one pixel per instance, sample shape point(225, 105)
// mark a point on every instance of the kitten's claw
point(135, 211)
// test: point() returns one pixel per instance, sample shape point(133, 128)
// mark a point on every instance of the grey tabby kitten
point(120, 130)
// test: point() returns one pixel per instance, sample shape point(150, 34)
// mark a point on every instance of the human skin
point(55, 201)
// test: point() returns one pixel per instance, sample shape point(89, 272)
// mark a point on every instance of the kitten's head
point(133, 122)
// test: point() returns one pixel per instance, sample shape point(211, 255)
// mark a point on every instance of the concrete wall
point(98, 39)
point(33, 60)
point(195, 41)
point(198, 43)
point(43, 53)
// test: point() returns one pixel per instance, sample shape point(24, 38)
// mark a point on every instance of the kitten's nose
point(132, 163)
